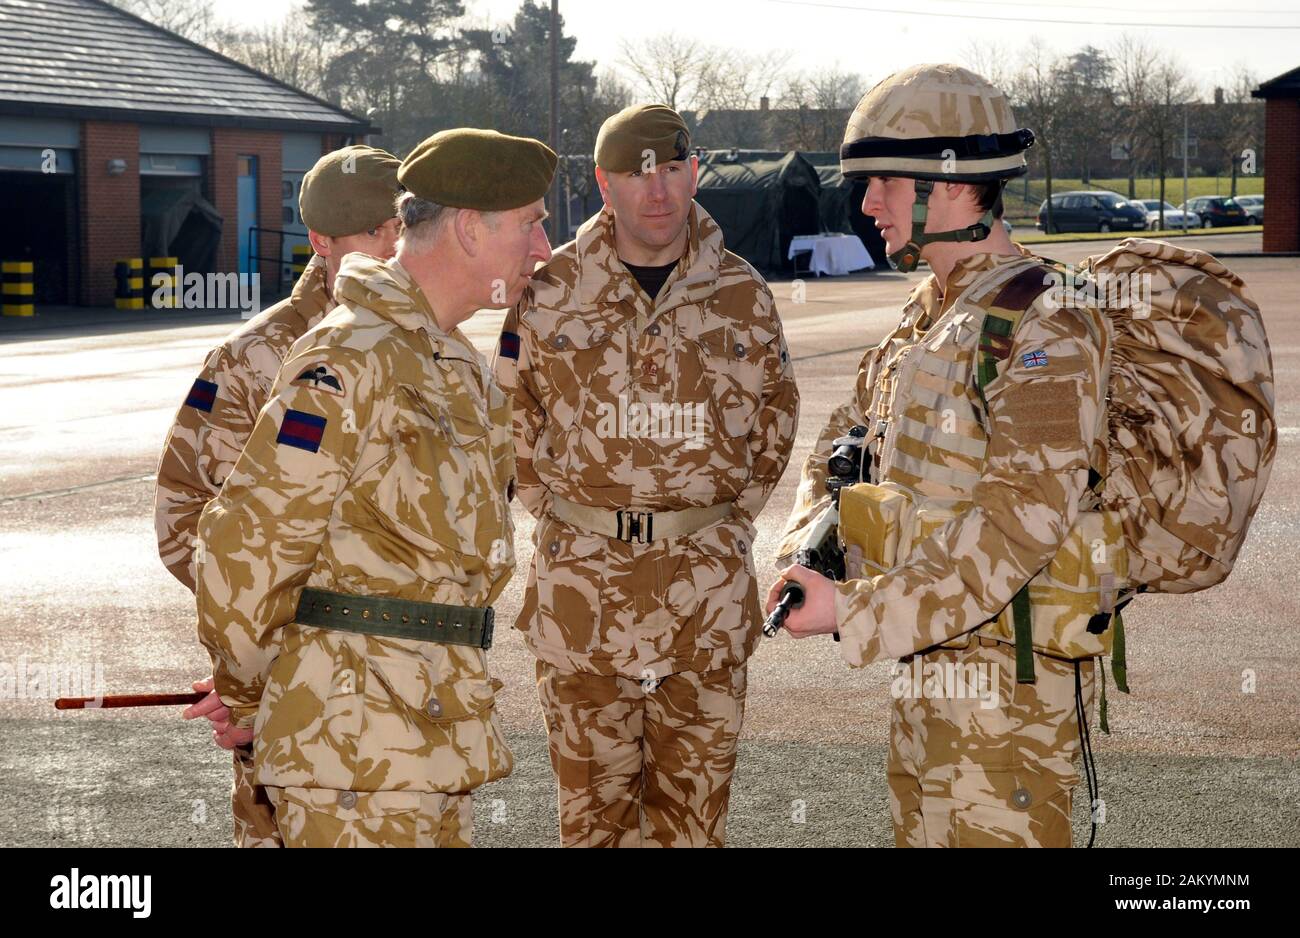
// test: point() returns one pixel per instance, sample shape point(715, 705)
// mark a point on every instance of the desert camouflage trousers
point(642, 763)
point(252, 810)
point(996, 771)
point(320, 817)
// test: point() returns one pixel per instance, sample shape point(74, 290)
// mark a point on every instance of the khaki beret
point(479, 169)
point(625, 137)
point(349, 191)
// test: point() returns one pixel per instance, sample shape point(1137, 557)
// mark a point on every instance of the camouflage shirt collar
point(964, 273)
point(603, 279)
point(311, 297)
point(386, 289)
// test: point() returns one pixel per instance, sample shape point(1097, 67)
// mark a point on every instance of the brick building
point(119, 139)
point(1282, 161)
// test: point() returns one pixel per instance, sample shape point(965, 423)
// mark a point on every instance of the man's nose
point(872, 201)
point(656, 187)
point(541, 247)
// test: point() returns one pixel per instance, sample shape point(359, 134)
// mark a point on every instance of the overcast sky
point(875, 37)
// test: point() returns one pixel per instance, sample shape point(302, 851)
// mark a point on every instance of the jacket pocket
point(569, 565)
point(440, 465)
point(721, 596)
point(731, 363)
point(1071, 597)
point(428, 726)
point(322, 817)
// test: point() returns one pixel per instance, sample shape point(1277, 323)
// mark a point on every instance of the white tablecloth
point(832, 254)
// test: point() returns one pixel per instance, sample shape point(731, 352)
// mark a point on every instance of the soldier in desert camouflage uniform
point(347, 569)
point(988, 440)
point(346, 202)
point(655, 409)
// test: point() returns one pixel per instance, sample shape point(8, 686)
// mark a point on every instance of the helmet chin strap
point(908, 256)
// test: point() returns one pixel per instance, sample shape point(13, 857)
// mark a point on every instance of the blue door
point(247, 212)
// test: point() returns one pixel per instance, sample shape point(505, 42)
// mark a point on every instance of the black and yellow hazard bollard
point(302, 254)
point(162, 277)
point(130, 283)
point(18, 288)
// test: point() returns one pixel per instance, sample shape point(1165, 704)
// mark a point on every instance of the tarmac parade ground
point(1203, 753)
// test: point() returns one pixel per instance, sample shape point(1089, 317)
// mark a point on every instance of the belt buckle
point(635, 526)
point(489, 623)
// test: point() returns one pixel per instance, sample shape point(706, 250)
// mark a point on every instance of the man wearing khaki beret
point(346, 572)
point(347, 203)
point(654, 411)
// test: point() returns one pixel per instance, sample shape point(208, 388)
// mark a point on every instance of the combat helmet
point(934, 123)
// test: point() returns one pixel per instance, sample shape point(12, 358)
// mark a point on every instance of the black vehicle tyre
point(1104, 227)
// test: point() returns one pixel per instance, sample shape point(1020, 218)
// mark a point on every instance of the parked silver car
point(1173, 216)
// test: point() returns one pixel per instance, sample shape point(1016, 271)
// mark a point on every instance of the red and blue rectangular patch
point(302, 430)
point(510, 345)
point(202, 396)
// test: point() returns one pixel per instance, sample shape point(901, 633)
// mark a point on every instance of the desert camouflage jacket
point(213, 424)
point(1041, 421)
point(380, 466)
point(624, 403)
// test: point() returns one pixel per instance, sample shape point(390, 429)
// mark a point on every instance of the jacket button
point(561, 341)
point(347, 799)
point(433, 708)
point(739, 349)
point(654, 329)
point(553, 548)
point(1021, 798)
point(742, 546)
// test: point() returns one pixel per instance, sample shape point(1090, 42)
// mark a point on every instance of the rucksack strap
point(994, 348)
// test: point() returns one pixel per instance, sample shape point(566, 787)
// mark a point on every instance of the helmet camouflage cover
point(938, 122)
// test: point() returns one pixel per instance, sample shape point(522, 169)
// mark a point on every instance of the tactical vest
point(926, 452)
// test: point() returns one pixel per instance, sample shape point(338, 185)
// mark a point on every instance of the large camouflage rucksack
point(1190, 413)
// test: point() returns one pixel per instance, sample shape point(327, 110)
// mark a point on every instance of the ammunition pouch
point(1071, 602)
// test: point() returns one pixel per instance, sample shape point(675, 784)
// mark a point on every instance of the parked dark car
point(1254, 206)
point(1217, 211)
point(1092, 211)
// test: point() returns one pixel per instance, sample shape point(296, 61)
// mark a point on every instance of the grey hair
point(420, 218)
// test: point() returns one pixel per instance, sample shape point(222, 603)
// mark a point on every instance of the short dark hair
point(988, 196)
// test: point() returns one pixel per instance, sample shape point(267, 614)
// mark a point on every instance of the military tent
point(760, 204)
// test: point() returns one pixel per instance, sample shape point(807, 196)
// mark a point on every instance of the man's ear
point(695, 174)
point(321, 244)
point(602, 183)
point(468, 225)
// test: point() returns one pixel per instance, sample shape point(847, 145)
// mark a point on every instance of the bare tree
point(730, 79)
point(991, 60)
point(1245, 124)
point(193, 19)
point(663, 68)
point(814, 107)
point(1171, 91)
point(1135, 80)
point(1087, 109)
point(290, 50)
point(1037, 91)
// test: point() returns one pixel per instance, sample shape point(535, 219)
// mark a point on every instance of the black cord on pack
point(1085, 744)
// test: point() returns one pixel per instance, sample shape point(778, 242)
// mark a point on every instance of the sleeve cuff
point(862, 640)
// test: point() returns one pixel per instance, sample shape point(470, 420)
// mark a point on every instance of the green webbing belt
point(1105, 724)
point(396, 618)
point(1118, 660)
